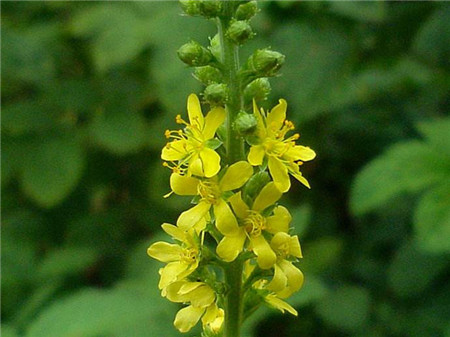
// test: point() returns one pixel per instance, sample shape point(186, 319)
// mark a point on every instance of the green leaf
point(346, 308)
point(66, 261)
point(432, 42)
point(120, 132)
point(412, 271)
point(432, 220)
point(93, 312)
point(119, 33)
point(365, 11)
point(52, 169)
point(405, 167)
point(436, 133)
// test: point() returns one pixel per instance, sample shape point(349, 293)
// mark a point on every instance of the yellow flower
point(211, 192)
point(254, 224)
point(279, 304)
point(182, 259)
point(283, 155)
point(202, 300)
point(287, 278)
point(192, 149)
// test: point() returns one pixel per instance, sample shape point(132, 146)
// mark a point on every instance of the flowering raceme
point(236, 216)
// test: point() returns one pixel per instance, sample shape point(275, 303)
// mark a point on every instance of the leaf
point(412, 271)
point(120, 132)
point(66, 261)
point(405, 167)
point(346, 308)
point(436, 133)
point(119, 33)
point(432, 42)
point(373, 12)
point(52, 169)
point(315, 63)
point(432, 220)
point(93, 312)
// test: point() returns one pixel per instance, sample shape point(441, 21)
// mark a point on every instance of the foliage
point(88, 90)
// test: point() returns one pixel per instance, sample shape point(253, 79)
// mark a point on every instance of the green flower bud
point(215, 46)
point(210, 8)
point(190, 7)
point(254, 185)
point(239, 32)
point(265, 62)
point(245, 123)
point(246, 11)
point(258, 90)
point(208, 75)
point(194, 54)
point(216, 94)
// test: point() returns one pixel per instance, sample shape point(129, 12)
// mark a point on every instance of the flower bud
point(246, 11)
point(254, 185)
point(265, 62)
point(207, 75)
point(190, 7)
point(210, 8)
point(194, 54)
point(215, 46)
point(245, 123)
point(239, 32)
point(258, 90)
point(216, 94)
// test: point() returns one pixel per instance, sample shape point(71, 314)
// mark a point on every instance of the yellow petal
point(191, 217)
point(213, 317)
point(240, 208)
point(164, 252)
point(236, 176)
point(174, 150)
point(174, 232)
point(195, 112)
point(279, 174)
point(230, 246)
point(213, 120)
point(279, 221)
point(276, 117)
point(302, 179)
point(299, 152)
point(279, 280)
point(196, 166)
point(202, 296)
point(268, 196)
point(256, 155)
point(280, 304)
point(265, 256)
point(187, 318)
point(294, 279)
point(225, 220)
point(170, 273)
point(294, 247)
point(183, 185)
point(171, 292)
point(210, 161)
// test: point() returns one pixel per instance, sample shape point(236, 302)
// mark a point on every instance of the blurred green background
point(88, 89)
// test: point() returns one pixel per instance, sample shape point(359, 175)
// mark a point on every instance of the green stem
point(230, 60)
point(235, 152)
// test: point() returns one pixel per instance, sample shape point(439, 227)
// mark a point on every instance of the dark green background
point(88, 89)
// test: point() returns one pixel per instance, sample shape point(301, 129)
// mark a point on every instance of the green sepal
point(195, 200)
point(246, 11)
point(213, 143)
point(253, 186)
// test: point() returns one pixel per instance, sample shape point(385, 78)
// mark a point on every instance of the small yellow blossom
point(182, 259)
point(253, 226)
point(202, 304)
point(283, 155)
point(211, 192)
point(190, 148)
point(287, 278)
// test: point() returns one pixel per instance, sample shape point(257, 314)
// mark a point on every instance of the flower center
point(189, 255)
point(254, 223)
point(282, 250)
point(209, 191)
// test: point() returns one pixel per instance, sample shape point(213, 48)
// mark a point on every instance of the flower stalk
point(232, 251)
